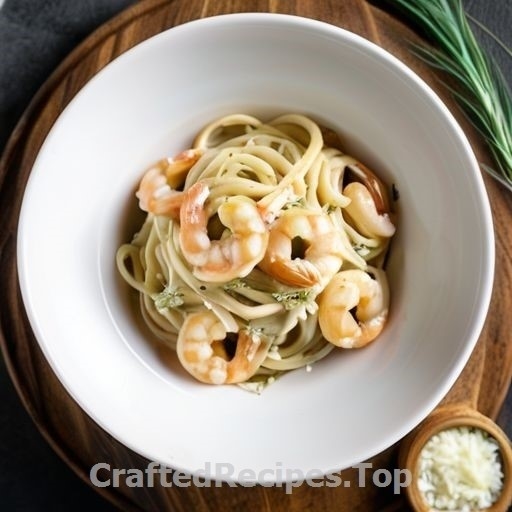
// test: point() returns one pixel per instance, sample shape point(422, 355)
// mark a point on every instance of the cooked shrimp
point(234, 255)
point(157, 192)
point(347, 290)
point(363, 212)
point(372, 182)
point(320, 247)
point(369, 203)
point(201, 349)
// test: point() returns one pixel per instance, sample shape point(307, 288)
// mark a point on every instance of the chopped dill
point(235, 284)
point(292, 299)
point(169, 297)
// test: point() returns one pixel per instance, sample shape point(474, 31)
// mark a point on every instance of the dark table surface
point(35, 35)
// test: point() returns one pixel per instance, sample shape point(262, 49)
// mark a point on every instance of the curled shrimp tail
point(156, 196)
point(374, 186)
point(250, 353)
point(178, 167)
point(194, 235)
point(202, 352)
point(320, 249)
point(364, 213)
point(353, 308)
point(233, 255)
point(298, 272)
point(157, 192)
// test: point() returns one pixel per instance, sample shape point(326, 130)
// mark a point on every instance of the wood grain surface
point(78, 440)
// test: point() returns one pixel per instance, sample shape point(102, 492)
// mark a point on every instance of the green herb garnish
point(235, 284)
point(479, 86)
point(292, 299)
point(169, 297)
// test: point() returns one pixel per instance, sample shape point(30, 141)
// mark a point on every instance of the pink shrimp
point(237, 252)
point(157, 192)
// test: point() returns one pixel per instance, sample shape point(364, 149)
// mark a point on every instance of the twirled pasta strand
point(279, 165)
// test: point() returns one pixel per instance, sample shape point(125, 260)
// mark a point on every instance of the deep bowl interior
point(150, 102)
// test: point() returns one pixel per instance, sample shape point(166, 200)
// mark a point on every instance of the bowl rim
point(382, 54)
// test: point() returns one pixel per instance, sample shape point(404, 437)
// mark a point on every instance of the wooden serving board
point(78, 440)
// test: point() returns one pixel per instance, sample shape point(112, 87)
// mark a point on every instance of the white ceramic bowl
point(150, 102)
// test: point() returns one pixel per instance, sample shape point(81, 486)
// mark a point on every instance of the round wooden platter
point(78, 440)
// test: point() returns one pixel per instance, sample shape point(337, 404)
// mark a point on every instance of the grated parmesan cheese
point(460, 469)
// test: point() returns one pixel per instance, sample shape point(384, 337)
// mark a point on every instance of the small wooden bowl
point(444, 418)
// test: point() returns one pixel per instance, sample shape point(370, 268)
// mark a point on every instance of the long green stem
point(480, 88)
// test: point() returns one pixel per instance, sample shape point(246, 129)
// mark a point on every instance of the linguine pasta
point(262, 250)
